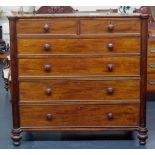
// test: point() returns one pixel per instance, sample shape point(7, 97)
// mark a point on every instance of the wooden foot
point(16, 136)
point(142, 135)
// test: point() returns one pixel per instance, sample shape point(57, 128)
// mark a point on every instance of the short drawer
point(80, 89)
point(151, 82)
point(79, 115)
point(99, 26)
point(79, 66)
point(46, 26)
point(79, 46)
point(151, 65)
point(151, 47)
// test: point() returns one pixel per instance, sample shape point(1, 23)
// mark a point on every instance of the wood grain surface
point(55, 26)
point(79, 115)
point(70, 89)
point(79, 46)
point(100, 26)
point(80, 66)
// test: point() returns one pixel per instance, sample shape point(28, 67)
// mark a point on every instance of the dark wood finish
point(70, 89)
point(144, 29)
point(14, 84)
point(79, 115)
point(80, 72)
point(79, 46)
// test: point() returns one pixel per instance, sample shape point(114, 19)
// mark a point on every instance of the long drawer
point(79, 46)
point(70, 26)
point(78, 66)
point(79, 115)
point(80, 89)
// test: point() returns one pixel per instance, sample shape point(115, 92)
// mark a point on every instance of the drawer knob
point(49, 117)
point(110, 67)
point(46, 28)
point(48, 91)
point(79, 108)
point(47, 47)
point(152, 65)
point(110, 46)
point(110, 116)
point(152, 50)
point(110, 90)
point(152, 82)
point(110, 27)
point(47, 67)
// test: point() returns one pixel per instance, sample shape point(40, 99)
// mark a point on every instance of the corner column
point(16, 132)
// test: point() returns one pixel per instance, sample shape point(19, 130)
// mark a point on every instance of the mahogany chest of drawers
point(79, 72)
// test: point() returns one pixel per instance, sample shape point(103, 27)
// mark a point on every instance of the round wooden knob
point(110, 90)
point(47, 67)
point(49, 117)
point(110, 46)
point(79, 108)
point(110, 27)
point(110, 67)
point(48, 91)
point(110, 116)
point(47, 47)
point(46, 28)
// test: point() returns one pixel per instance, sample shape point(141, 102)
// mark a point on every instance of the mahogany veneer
point(79, 115)
point(95, 65)
point(106, 45)
point(79, 72)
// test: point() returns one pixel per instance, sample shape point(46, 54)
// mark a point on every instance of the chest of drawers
point(151, 59)
point(78, 72)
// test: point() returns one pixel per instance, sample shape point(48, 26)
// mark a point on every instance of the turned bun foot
point(16, 136)
point(142, 135)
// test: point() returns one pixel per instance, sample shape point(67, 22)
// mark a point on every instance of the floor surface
point(65, 140)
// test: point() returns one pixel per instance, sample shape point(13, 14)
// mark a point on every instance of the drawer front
point(48, 26)
point(76, 66)
point(79, 115)
point(109, 26)
point(79, 46)
point(151, 65)
point(79, 89)
point(151, 47)
point(151, 81)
